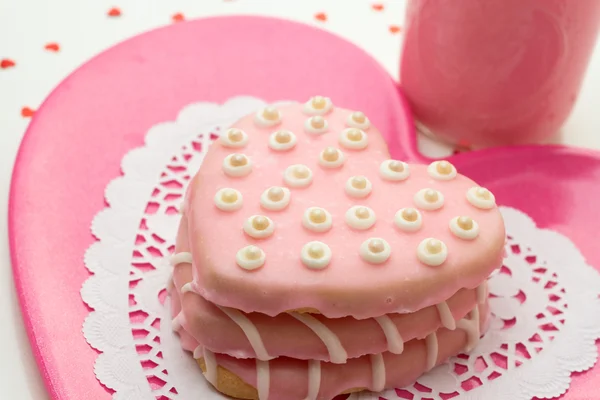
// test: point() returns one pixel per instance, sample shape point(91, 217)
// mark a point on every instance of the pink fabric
point(76, 141)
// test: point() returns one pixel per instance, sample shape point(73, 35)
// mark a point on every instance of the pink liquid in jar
point(496, 72)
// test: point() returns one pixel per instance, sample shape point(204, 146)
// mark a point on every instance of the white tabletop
point(81, 29)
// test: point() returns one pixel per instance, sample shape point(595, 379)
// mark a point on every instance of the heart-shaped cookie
point(301, 238)
point(301, 208)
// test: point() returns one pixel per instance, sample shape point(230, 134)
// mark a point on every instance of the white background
point(82, 29)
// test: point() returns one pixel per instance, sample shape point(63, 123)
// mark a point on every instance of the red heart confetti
point(394, 28)
point(377, 7)
point(6, 63)
point(27, 112)
point(178, 17)
point(114, 12)
point(321, 17)
point(52, 47)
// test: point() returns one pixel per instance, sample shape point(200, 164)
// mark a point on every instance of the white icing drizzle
point(176, 322)
point(378, 372)
point(394, 340)
point(263, 379)
point(250, 331)
point(181, 258)
point(431, 342)
point(471, 327)
point(446, 316)
point(188, 287)
point(337, 353)
point(481, 293)
point(314, 379)
point(210, 362)
point(198, 352)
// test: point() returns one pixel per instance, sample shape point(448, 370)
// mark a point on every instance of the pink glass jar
point(495, 72)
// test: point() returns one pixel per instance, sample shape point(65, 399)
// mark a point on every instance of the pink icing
point(348, 285)
point(289, 377)
point(205, 324)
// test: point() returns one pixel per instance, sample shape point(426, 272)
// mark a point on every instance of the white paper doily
point(545, 305)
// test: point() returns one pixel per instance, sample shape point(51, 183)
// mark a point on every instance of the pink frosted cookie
point(308, 263)
point(292, 334)
point(300, 207)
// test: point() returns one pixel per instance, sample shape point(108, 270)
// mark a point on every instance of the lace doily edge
point(139, 167)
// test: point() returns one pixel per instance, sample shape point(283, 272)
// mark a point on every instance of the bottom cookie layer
point(291, 379)
point(232, 385)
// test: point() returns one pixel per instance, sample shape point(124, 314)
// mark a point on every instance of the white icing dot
point(358, 120)
point(481, 198)
point(432, 252)
point(464, 228)
point(315, 255)
point(360, 217)
point(317, 219)
point(237, 165)
point(267, 117)
point(282, 140)
point(358, 186)
point(354, 139)
point(318, 105)
point(429, 199)
point(331, 157)
point(259, 227)
point(316, 125)
point(234, 137)
point(228, 199)
point(250, 257)
point(275, 198)
point(408, 219)
point(394, 170)
point(441, 170)
point(298, 176)
point(375, 250)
